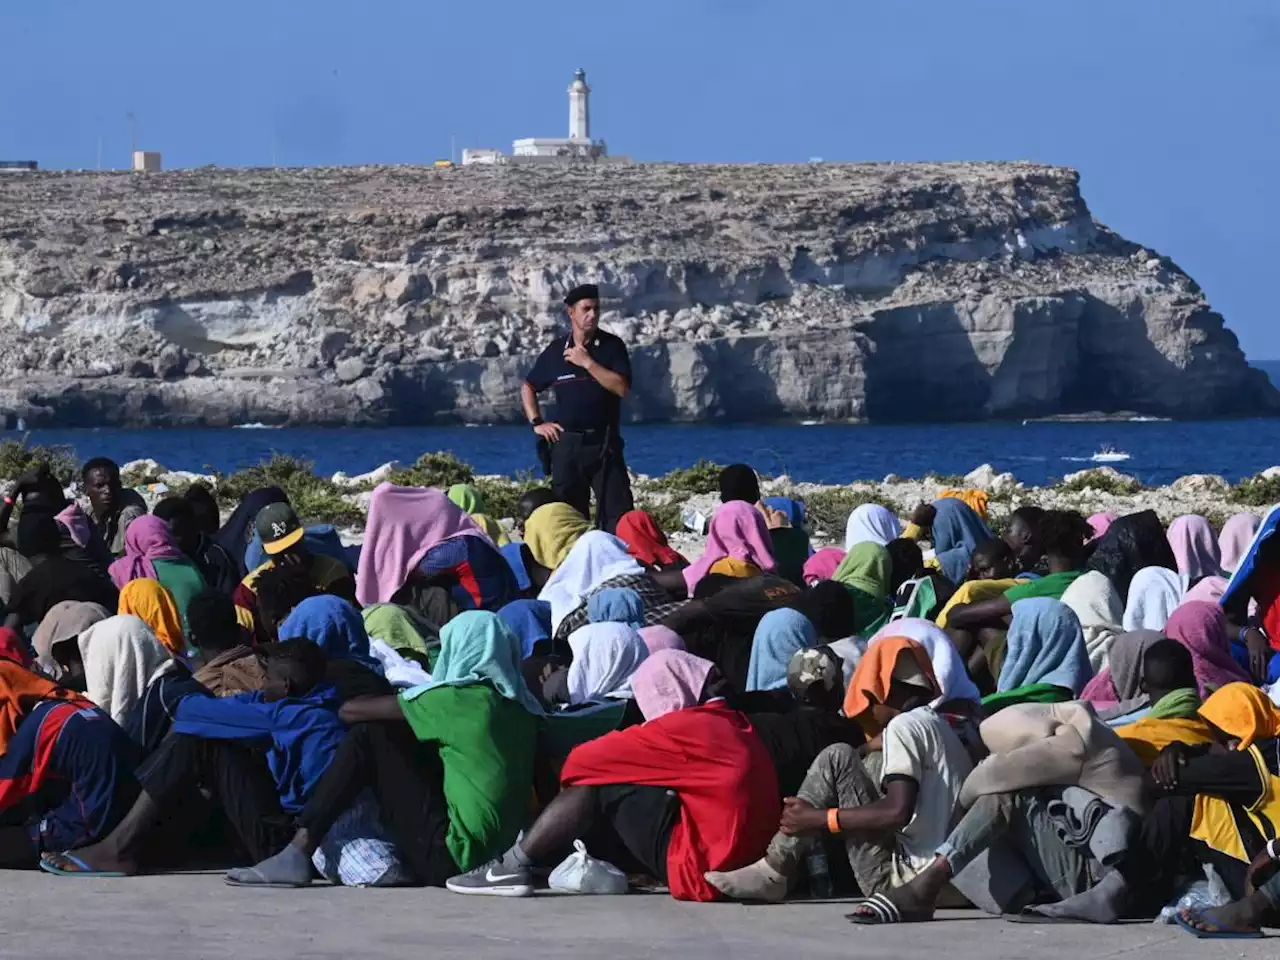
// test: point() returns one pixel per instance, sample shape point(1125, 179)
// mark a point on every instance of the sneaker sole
point(512, 890)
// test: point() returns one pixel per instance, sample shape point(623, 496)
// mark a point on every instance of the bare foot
point(1243, 916)
point(1104, 903)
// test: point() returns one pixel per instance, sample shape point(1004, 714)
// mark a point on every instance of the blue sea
point(1157, 452)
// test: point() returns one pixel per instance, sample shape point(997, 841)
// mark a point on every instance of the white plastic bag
point(582, 873)
point(1204, 894)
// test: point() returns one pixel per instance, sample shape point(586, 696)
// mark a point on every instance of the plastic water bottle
point(819, 873)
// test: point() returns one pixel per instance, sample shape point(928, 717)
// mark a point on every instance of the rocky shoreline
point(409, 295)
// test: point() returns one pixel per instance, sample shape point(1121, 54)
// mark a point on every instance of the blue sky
point(1168, 107)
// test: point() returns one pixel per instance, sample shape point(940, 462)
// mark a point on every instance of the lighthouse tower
point(577, 145)
point(579, 107)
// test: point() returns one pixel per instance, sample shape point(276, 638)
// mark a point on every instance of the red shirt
point(1264, 584)
point(711, 757)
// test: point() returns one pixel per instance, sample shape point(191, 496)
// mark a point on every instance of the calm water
point(1158, 452)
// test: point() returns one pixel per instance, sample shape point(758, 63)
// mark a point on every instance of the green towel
point(1181, 704)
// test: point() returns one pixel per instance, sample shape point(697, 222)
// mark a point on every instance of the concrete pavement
point(196, 916)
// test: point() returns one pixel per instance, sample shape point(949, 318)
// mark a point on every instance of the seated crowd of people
point(1068, 722)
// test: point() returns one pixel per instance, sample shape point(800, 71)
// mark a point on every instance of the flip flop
point(84, 870)
point(1219, 934)
point(884, 911)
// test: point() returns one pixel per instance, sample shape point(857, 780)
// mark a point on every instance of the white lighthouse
point(578, 145)
point(579, 107)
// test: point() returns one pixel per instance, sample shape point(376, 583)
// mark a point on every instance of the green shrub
point(665, 513)
point(16, 458)
point(138, 477)
point(952, 481)
point(440, 469)
point(702, 477)
point(315, 498)
point(1101, 480)
point(501, 494)
point(1216, 518)
point(828, 510)
point(1256, 491)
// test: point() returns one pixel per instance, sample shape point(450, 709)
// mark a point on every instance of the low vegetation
point(17, 457)
point(666, 513)
point(828, 510)
point(316, 499)
point(1102, 480)
point(703, 477)
point(500, 494)
point(1256, 491)
point(440, 469)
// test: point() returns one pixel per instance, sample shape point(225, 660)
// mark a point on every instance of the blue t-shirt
point(303, 733)
point(480, 577)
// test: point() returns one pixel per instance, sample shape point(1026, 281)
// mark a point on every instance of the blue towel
point(957, 529)
point(530, 621)
point(616, 605)
point(1045, 644)
point(515, 560)
point(793, 509)
point(334, 626)
point(780, 635)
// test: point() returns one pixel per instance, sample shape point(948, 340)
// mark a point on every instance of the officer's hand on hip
point(549, 431)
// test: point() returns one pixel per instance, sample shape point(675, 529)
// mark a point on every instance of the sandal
point(55, 863)
point(1221, 933)
point(885, 911)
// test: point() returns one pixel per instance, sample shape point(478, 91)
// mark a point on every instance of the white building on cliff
point(577, 145)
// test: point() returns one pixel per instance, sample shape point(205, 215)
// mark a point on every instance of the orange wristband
point(833, 820)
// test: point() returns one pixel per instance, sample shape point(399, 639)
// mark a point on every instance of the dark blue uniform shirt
point(581, 403)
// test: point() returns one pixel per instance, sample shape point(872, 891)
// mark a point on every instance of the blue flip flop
point(84, 871)
point(1215, 934)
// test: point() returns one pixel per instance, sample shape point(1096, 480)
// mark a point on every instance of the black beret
point(587, 291)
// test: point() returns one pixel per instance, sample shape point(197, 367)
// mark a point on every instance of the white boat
point(1109, 454)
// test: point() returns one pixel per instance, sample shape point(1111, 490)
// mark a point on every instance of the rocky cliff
point(416, 295)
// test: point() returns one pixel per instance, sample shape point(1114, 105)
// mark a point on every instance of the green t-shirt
point(487, 745)
point(183, 579)
point(1052, 586)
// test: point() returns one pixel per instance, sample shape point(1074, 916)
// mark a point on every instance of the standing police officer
point(590, 373)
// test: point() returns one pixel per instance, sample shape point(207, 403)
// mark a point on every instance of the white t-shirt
point(919, 744)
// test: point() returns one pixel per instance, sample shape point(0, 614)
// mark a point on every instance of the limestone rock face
point(404, 295)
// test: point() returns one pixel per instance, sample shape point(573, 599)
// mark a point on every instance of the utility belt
point(594, 436)
point(603, 437)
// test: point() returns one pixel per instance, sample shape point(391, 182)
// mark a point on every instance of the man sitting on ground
point(219, 570)
point(690, 790)
point(891, 809)
point(282, 538)
point(54, 577)
point(111, 507)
